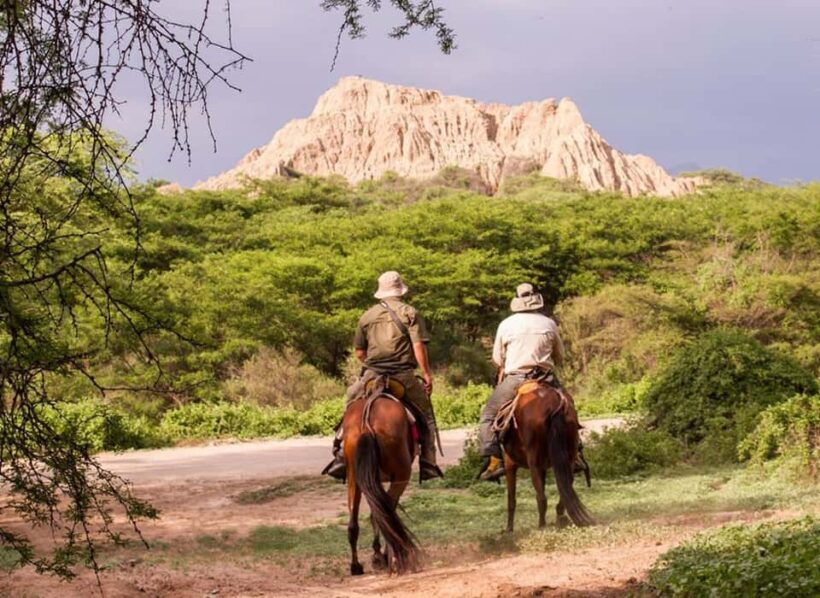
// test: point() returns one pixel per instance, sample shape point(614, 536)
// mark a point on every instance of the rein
point(507, 412)
point(379, 390)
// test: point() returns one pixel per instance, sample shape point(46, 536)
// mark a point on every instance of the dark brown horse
point(379, 447)
point(546, 435)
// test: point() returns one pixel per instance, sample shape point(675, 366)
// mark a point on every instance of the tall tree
point(65, 66)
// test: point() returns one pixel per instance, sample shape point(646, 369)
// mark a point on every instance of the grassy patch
point(9, 559)
point(280, 489)
point(446, 519)
point(576, 538)
point(453, 524)
point(314, 541)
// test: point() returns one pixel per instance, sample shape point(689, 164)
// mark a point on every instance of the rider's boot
point(493, 469)
point(581, 465)
point(338, 467)
point(427, 460)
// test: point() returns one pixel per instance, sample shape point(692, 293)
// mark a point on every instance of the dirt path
point(609, 570)
point(221, 491)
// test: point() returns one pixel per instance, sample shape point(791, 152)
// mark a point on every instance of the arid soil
point(190, 511)
point(195, 510)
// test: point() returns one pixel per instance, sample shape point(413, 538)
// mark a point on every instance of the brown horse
point(546, 435)
point(379, 447)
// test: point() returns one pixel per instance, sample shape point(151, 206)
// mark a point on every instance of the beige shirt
point(526, 340)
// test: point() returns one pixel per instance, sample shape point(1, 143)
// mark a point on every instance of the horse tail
point(562, 466)
point(398, 538)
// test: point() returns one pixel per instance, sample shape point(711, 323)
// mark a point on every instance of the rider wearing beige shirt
point(525, 341)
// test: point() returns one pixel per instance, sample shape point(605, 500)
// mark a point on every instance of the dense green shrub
point(617, 335)
point(623, 398)
point(788, 433)
point(714, 388)
point(770, 559)
point(457, 407)
point(220, 420)
point(470, 363)
point(632, 450)
point(322, 418)
point(464, 473)
point(100, 427)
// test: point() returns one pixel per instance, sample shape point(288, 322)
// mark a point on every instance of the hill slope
point(361, 129)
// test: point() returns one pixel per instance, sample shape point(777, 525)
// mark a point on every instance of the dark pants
point(505, 391)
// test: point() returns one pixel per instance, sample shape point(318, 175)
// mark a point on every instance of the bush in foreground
point(629, 451)
point(713, 389)
point(739, 560)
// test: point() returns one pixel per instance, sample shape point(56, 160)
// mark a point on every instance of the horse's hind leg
point(379, 559)
point(394, 491)
point(561, 519)
point(538, 481)
point(354, 499)
point(510, 470)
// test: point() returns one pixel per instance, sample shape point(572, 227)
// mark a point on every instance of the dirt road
point(258, 459)
point(250, 519)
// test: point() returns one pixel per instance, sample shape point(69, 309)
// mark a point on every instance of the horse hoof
point(379, 561)
point(356, 569)
point(562, 521)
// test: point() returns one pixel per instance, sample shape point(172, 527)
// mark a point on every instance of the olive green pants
point(414, 391)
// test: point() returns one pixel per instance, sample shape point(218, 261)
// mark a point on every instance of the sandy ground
point(197, 488)
point(610, 570)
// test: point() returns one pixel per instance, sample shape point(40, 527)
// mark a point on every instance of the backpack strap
point(394, 316)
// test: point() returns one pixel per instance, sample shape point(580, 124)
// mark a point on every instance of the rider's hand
point(428, 383)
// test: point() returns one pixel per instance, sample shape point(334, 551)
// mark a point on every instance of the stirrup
point(493, 470)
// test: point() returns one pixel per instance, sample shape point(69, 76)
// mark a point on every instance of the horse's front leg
point(354, 499)
point(510, 470)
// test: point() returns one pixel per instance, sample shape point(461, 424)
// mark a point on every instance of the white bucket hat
point(390, 285)
point(526, 299)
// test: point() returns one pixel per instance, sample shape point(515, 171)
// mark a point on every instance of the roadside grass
point(463, 523)
point(9, 559)
point(281, 489)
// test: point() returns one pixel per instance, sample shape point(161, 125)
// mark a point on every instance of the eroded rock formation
point(361, 129)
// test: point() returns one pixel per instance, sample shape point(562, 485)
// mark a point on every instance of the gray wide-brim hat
point(526, 299)
point(390, 285)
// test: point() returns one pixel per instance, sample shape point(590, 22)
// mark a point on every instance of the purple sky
point(707, 83)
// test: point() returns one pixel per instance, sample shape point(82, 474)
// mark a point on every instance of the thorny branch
point(423, 14)
point(65, 66)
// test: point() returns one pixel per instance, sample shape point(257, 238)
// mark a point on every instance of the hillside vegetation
point(264, 288)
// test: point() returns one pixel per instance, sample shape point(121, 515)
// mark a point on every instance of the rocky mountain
point(361, 129)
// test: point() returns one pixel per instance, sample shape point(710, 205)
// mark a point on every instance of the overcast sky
point(692, 83)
